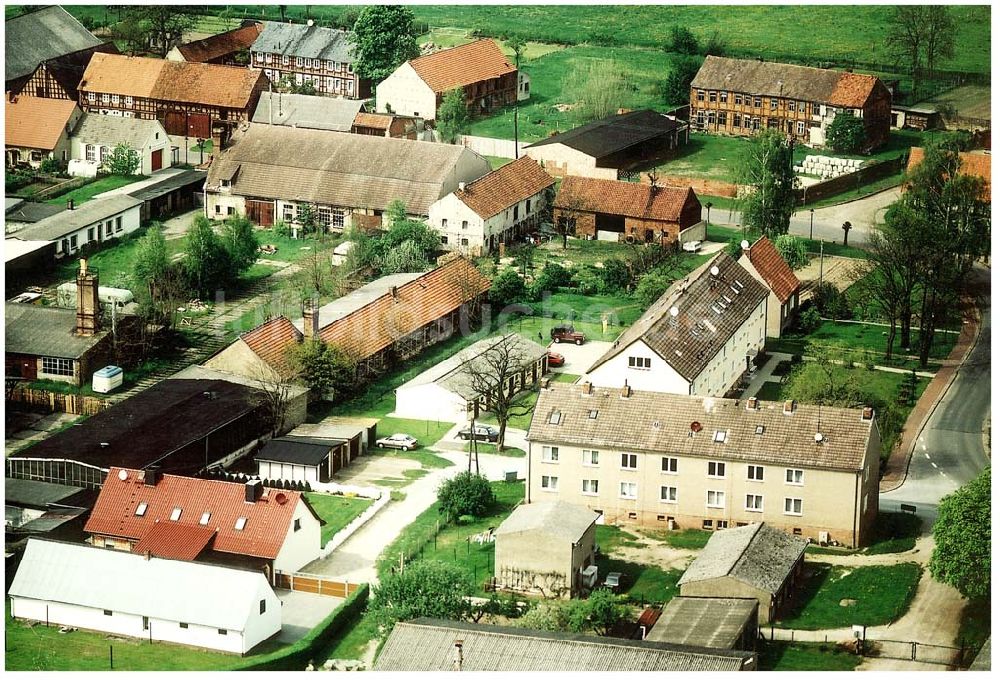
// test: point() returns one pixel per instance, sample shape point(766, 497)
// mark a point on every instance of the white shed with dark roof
point(308, 459)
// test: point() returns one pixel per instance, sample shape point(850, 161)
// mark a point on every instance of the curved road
point(950, 450)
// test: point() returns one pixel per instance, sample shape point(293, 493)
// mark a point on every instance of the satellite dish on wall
point(714, 270)
point(123, 475)
point(674, 311)
point(744, 244)
point(818, 437)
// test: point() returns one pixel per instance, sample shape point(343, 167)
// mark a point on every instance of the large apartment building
point(742, 96)
point(685, 462)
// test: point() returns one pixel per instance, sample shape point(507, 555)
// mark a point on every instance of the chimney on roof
point(789, 407)
point(147, 555)
point(88, 310)
point(310, 318)
point(867, 413)
point(456, 656)
point(588, 387)
point(626, 391)
point(70, 205)
point(461, 186)
point(253, 489)
point(394, 291)
point(752, 404)
point(152, 476)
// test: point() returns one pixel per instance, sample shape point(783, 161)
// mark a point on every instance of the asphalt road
point(950, 450)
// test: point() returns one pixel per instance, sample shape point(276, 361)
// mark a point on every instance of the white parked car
point(691, 247)
point(403, 442)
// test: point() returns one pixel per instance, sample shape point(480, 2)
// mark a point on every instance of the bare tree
point(273, 395)
point(908, 37)
point(495, 378)
point(940, 41)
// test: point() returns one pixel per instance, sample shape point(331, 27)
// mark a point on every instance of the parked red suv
point(556, 360)
point(567, 334)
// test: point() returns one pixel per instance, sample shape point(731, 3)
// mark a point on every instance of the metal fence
point(922, 652)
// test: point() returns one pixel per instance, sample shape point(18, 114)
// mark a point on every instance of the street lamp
point(812, 212)
point(846, 228)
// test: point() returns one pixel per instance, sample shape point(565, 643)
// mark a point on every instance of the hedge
point(295, 657)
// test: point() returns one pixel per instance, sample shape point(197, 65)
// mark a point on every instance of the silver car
point(403, 442)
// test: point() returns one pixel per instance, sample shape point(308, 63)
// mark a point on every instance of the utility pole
point(820, 264)
point(812, 212)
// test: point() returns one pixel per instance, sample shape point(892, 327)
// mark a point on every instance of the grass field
point(798, 656)
point(882, 594)
point(867, 339)
point(336, 511)
point(99, 186)
point(114, 261)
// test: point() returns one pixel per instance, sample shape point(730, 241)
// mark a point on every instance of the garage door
point(174, 122)
point(200, 125)
point(157, 159)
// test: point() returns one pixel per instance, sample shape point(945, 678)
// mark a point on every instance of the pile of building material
point(828, 167)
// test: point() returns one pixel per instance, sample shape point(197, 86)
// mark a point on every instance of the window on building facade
point(716, 468)
point(793, 506)
point(774, 103)
point(815, 109)
point(757, 101)
point(793, 476)
point(550, 483)
point(755, 503)
point(465, 224)
point(444, 223)
point(722, 118)
point(444, 240)
point(550, 454)
point(628, 489)
point(711, 97)
point(90, 234)
point(755, 123)
point(640, 362)
point(700, 95)
point(746, 122)
point(108, 228)
point(802, 107)
point(699, 118)
point(72, 242)
point(590, 487)
point(668, 464)
point(716, 499)
point(591, 457)
point(630, 461)
point(738, 99)
point(516, 207)
point(711, 117)
point(105, 98)
point(755, 473)
point(297, 524)
point(92, 97)
point(800, 127)
point(668, 494)
point(91, 152)
point(285, 60)
point(105, 152)
point(298, 61)
point(118, 224)
point(465, 241)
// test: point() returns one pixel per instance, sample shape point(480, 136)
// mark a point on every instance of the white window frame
point(140, 510)
point(298, 61)
point(241, 524)
point(57, 365)
point(717, 469)
point(753, 471)
point(625, 487)
point(790, 501)
point(589, 487)
point(792, 473)
point(754, 502)
point(629, 458)
point(719, 499)
point(640, 363)
point(591, 457)
point(549, 483)
point(175, 514)
point(550, 454)
point(668, 465)
point(670, 492)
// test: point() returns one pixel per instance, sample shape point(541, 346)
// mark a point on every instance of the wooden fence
point(313, 583)
point(76, 404)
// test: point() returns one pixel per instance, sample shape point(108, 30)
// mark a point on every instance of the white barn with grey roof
point(437, 645)
point(447, 392)
point(96, 136)
point(543, 548)
point(756, 561)
point(95, 221)
point(121, 593)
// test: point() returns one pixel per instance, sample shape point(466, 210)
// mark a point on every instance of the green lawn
point(294, 249)
point(882, 594)
point(38, 648)
point(352, 645)
point(498, 162)
point(798, 656)
point(113, 261)
point(641, 583)
point(563, 377)
point(336, 511)
point(770, 391)
point(100, 185)
point(867, 340)
point(417, 540)
point(862, 191)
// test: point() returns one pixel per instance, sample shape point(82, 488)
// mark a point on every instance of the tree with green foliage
point(466, 493)
point(123, 160)
point(453, 116)
point(206, 260)
point(809, 320)
point(599, 89)
point(423, 588)
point(155, 28)
point(326, 369)
point(846, 134)
point(599, 613)
point(825, 382)
point(383, 38)
point(240, 240)
point(305, 217)
point(962, 538)
point(682, 40)
point(159, 285)
point(288, 84)
point(734, 247)
point(507, 289)
point(552, 277)
point(764, 166)
point(651, 286)
point(615, 275)
point(604, 610)
point(677, 87)
point(792, 250)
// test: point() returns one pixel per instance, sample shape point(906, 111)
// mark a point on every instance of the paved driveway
point(300, 612)
point(579, 358)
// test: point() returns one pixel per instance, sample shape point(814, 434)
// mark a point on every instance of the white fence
point(358, 522)
point(490, 146)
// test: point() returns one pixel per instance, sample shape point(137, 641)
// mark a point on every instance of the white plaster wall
point(453, 210)
point(300, 547)
point(430, 402)
point(660, 377)
point(406, 94)
point(260, 627)
point(130, 222)
point(730, 362)
point(561, 160)
point(224, 201)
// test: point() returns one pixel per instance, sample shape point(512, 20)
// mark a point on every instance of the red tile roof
point(267, 520)
point(385, 320)
point(496, 191)
point(174, 541)
point(630, 199)
point(220, 45)
point(180, 81)
point(270, 341)
point(36, 122)
point(462, 65)
point(852, 89)
point(975, 164)
point(379, 121)
point(777, 274)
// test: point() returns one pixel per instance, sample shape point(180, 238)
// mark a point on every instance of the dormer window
point(140, 509)
point(175, 514)
point(241, 523)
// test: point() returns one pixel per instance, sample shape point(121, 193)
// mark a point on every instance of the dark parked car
point(556, 360)
point(567, 334)
point(483, 433)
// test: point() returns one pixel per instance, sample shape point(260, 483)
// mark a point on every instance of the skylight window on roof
point(726, 298)
point(720, 436)
point(759, 429)
point(140, 510)
point(205, 516)
point(716, 310)
point(175, 514)
point(708, 324)
point(241, 523)
point(555, 417)
point(734, 289)
point(739, 284)
point(592, 414)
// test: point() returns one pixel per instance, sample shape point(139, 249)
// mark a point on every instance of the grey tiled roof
point(67, 221)
point(757, 554)
point(657, 422)
point(704, 621)
point(558, 519)
point(353, 171)
point(35, 494)
point(428, 645)
point(299, 40)
point(44, 331)
point(94, 128)
point(710, 310)
point(42, 35)
point(306, 111)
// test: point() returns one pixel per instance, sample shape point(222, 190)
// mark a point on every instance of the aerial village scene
point(509, 338)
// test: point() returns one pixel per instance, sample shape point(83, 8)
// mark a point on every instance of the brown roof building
point(36, 128)
point(635, 212)
point(765, 264)
point(231, 48)
point(205, 101)
point(679, 461)
point(975, 164)
point(486, 76)
point(741, 96)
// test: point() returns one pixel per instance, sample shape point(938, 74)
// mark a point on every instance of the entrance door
point(174, 122)
point(157, 160)
point(199, 125)
point(261, 212)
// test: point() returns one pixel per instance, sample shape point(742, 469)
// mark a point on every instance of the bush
point(831, 303)
point(651, 286)
point(551, 279)
point(424, 588)
point(52, 166)
point(587, 280)
point(508, 288)
point(734, 248)
point(846, 134)
point(281, 229)
point(792, 250)
point(615, 276)
point(466, 494)
point(682, 41)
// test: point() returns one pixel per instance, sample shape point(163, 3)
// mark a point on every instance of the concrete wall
point(406, 94)
point(491, 146)
point(300, 547)
point(560, 160)
point(534, 562)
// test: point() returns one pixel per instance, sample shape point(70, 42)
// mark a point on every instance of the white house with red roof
point(765, 264)
point(496, 208)
point(205, 520)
